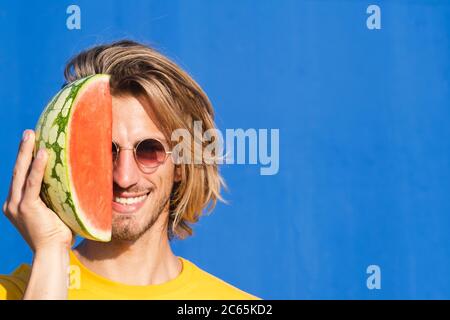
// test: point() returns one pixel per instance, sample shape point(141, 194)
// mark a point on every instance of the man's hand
point(38, 225)
point(45, 233)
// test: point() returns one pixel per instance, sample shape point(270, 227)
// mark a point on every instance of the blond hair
point(177, 102)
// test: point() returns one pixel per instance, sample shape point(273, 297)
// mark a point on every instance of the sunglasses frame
point(134, 148)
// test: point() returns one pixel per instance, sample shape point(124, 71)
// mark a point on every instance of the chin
point(131, 227)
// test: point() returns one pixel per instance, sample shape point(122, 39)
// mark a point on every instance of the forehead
point(132, 120)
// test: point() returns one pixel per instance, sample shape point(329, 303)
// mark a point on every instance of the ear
point(177, 174)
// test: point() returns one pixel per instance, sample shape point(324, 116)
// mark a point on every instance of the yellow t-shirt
point(191, 284)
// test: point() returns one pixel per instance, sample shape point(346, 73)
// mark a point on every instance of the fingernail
point(25, 135)
point(41, 154)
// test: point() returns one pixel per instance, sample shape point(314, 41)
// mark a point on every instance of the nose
point(126, 170)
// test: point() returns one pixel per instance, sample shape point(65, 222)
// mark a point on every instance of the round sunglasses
point(148, 153)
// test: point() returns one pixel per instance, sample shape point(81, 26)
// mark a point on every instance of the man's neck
point(146, 261)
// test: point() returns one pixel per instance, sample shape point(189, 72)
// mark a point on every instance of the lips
point(128, 203)
point(130, 195)
point(129, 200)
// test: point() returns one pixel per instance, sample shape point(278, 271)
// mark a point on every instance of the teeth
point(128, 201)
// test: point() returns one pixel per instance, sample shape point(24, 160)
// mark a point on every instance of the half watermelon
point(76, 130)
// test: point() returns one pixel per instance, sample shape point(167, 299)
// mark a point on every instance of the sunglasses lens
point(150, 153)
point(114, 151)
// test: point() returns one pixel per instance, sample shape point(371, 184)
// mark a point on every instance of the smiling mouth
point(129, 201)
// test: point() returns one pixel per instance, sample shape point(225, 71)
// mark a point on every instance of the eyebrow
point(162, 139)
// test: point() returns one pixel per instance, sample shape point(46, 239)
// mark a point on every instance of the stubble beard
point(128, 230)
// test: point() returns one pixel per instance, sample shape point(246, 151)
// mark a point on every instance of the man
point(152, 97)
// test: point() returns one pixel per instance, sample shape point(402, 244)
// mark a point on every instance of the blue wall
point(364, 119)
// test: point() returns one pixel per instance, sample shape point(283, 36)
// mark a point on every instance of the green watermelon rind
point(56, 182)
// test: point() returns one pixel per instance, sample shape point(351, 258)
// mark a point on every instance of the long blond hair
point(139, 69)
